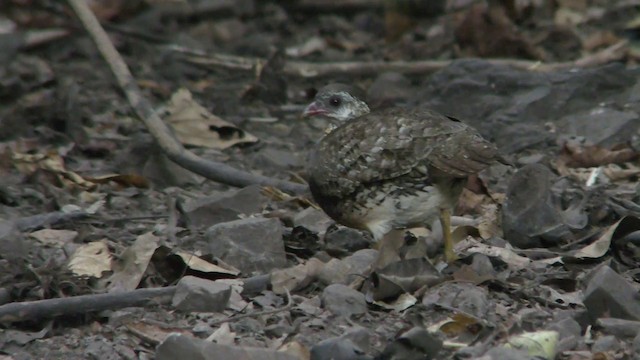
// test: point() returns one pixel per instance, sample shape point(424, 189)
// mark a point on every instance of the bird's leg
point(445, 221)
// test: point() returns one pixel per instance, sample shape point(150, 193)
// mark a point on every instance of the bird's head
point(338, 102)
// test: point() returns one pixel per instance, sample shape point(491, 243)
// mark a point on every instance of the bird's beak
point(313, 109)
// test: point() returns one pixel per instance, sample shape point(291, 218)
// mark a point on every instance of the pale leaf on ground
point(91, 259)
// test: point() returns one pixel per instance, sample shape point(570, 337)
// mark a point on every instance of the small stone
point(605, 344)
point(340, 240)
point(178, 346)
point(569, 331)
point(475, 300)
point(501, 353)
point(338, 348)
point(225, 206)
point(609, 295)
point(312, 219)
point(619, 328)
point(251, 245)
point(344, 271)
point(343, 300)
point(416, 343)
point(201, 295)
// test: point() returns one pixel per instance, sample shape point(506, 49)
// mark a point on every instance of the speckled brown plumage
point(393, 168)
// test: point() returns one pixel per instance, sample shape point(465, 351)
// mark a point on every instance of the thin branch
point(161, 133)
point(303, 69)
point(29, 310)
point(287, 307)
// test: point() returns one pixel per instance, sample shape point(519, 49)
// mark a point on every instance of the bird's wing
point(394, 142)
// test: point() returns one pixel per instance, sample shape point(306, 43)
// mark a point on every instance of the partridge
point(392, 168)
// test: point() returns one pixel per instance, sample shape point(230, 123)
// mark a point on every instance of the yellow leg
point(445, 221)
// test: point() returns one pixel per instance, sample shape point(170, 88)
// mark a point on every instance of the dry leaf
point(54, 237)
point(132, 264)
point(121, 179)
point(51, 163)
point(579, 155)
point(91, 259)
point(195, 125)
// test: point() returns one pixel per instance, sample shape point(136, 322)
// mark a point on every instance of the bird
point(391, 168)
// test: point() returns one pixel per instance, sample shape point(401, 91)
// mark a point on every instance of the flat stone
point(344, 271)
point(605, 344)
point(178, 346)
point(475, 300)
point(225, 206)
point(529, 216)
point(340, 240)
point(338, 348)
point(619, 327)
point(251, 245)
point(201, 295)
point(569, 331)
point(609, 295)
point(312, 219)
point(416, 343)
point(343, 300)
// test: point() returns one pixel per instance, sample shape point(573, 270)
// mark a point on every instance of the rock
point(475, 300)
point(280, 159)
point(569, 331)
point(251, 245)
point(313, 219)
point(340, 240)
point(636, 347)
point(201, 295)
point(529, 216)
point(501, 353)
point(415, 344)
point(512, 106)
point(225, 206)
point(338, 348)
point(603, 126)
point(609, 295)
point(178, 346)
point(344, 271)
point(605, 344)
point(343, 300)
point(618, 327)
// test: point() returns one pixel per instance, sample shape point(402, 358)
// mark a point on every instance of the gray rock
point(280, 159)
point(609, 295)
point(344, 271)
point(338, 348)
point(225, 206)
point(529, 216)
point(312, 219)
point(605, 344)
point(475, 300)
point(636, 347)
point(618, 327)
point(501, 353)
point(343, 300)
point(512, 106)
point(201, 295)
point(340, 240)
point(602, 126)
point(414, 344)
point(251, 245)
point(569, 331)
point(178, 346)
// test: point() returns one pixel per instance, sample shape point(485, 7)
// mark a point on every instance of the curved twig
point(161, 133)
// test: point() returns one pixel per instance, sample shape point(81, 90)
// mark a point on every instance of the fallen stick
point(30, 310)
point(303, 69)
point(167, 141)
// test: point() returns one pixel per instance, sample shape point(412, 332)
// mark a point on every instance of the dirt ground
point(90, 205)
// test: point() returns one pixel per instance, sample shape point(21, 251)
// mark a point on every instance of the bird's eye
point(335, 101)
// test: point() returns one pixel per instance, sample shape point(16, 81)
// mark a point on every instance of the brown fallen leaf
point(51, 164)
point(121, 179)
point(195, 125)
point(579, 155)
